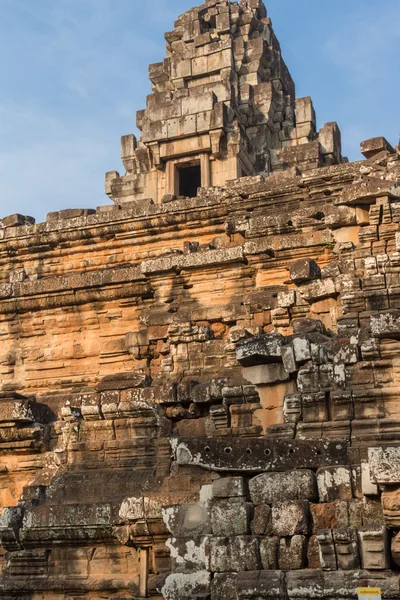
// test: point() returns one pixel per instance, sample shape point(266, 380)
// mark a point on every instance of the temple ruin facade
point(199, 381)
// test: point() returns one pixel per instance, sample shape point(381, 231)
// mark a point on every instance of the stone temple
point(199, 383)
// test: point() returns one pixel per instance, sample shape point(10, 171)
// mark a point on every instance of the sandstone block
point(17, 220)
point(304, 326)
point(259, 350)
point(180, 586)
point(266, 374)
point(288, 358)
point(292, 553)
point(313, 559)
point(223, 586)
point(304, 270)
point(257, 455)
point(270, 488)
point(261, 584)
point(374, 548)
point(290, 518)
point(374, 146)
point(318, 290)
point(384, 465)
point(229, 487)
point(346, 546)
point(304, 110)
point(395, 549)
point(368, 487)
point(240, 553)
point(287, 299)
point(366, 192)
point(187, 520)
point(302, 349)
point(334, 483)
point(391, 507)
point(261, 523)
point(292, 408)
point(325, 516)
point(327, 552)
point(269, 549)
point(189, 554)
point(386, 324)
point(230, 517)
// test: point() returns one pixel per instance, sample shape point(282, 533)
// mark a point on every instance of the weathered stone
point(374, 548)
point(304, 326)
point(346, 546)
point(261, 523)
point(292, 553)
point(266, 374)
point(223, 586)
point(17, 220)
point(302, 349)
point(264, 455)
point(386, 324)
point(179, 586)
point(259, 350)
point(262, 584)
point(304, 270)
point(189, 555)
point(292, 408)
point(368, 487)
point(240, 553)
point(327, 552)
point(391, 507)
point(395, 549)
point(334, 483)
point(229, 487)
point(290, 518)
point(384, 465)
point(289, 360)
point(374, 146)
point(187, 519)
point(318, 290)
point(313, 557)
point(230, 517)
point(269, 549)
point(270, 488)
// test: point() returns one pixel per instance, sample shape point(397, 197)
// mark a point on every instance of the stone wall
point(199, 398)
point(199, 395)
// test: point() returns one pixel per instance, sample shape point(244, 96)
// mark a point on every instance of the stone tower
point(199, 382)
point(223, 106)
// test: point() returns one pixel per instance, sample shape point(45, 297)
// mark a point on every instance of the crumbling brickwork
point(199, 394)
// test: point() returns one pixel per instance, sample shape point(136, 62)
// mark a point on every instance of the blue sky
point(74, 72)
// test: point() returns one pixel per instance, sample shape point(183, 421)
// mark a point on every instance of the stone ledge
point(230, 197)
point(258, 455)
point(76, 281)
point(195, 260)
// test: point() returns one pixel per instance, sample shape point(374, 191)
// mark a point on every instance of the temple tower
point(223, 106)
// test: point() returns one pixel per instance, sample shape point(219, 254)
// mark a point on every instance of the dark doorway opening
point(189, 180)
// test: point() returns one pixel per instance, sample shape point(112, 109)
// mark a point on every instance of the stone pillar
point(205, 171)
point(144, 571)
point(172, 180)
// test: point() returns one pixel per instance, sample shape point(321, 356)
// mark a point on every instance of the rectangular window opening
point(189, 179)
